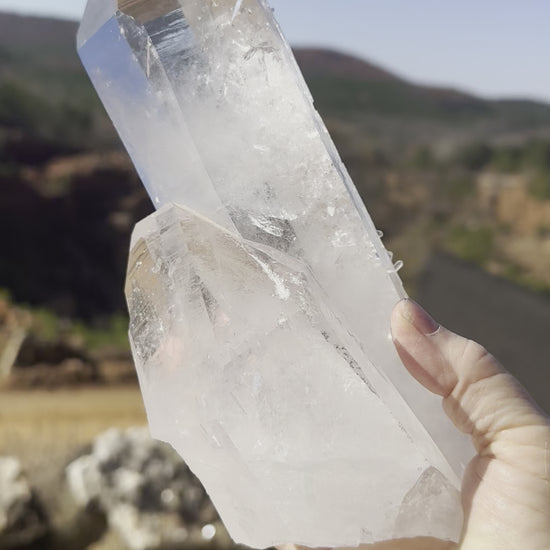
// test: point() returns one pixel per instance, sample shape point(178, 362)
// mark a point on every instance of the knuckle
point(474, 354)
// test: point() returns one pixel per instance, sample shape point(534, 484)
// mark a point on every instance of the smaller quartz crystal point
point(260, 292)
point(248, 372)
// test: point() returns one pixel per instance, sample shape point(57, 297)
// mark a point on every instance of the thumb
point(480, 397)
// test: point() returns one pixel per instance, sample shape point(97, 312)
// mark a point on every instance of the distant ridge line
point(28, 32)
point(320, 61)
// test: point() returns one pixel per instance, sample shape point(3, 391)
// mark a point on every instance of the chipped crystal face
point(260, 293)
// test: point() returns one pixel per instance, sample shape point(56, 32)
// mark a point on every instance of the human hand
point(506, 487)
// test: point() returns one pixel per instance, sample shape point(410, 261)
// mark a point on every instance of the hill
point(416, 154)
point(44, 89)
point(440, 170)
point(353, 88)
point(460, 185)
point(317, 62)
point(38, 34)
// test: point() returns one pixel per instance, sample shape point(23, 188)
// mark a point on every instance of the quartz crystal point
point(260, 293)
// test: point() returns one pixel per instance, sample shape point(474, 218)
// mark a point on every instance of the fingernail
point(419, 318)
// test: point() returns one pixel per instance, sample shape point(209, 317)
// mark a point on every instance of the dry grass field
point(45, 430)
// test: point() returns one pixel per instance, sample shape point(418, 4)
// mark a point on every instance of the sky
point(494, 48)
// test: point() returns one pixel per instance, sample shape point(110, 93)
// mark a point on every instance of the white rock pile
point(150, 497)
point(22, 518)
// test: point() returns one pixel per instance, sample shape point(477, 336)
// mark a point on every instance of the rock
point(68, 373)
point(28, 359)
point(148, 494)
point(50, 362)
point(37, 351)
point(114, 365)
point(22, 518)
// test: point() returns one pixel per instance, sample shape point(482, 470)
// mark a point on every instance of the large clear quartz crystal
point(260, 293)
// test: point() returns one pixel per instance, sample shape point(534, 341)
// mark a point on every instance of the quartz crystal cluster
point(260, 292)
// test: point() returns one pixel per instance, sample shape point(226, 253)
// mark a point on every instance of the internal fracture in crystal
point(260, 293)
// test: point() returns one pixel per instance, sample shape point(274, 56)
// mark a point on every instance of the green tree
point(475, 156)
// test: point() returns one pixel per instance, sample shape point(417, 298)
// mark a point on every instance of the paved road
point(514, 324)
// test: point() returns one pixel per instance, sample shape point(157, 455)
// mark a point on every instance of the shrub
point(539, 185)
point(508, 159)
point(475, 156)
point(473, 245)
point(459, 187)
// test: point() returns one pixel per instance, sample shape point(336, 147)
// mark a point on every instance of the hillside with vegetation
point(460, 186)
point(439, 170)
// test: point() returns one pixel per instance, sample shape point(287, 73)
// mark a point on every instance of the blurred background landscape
point(460, 185)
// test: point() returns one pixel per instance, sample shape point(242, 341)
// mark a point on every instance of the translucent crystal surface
point(260, 293)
